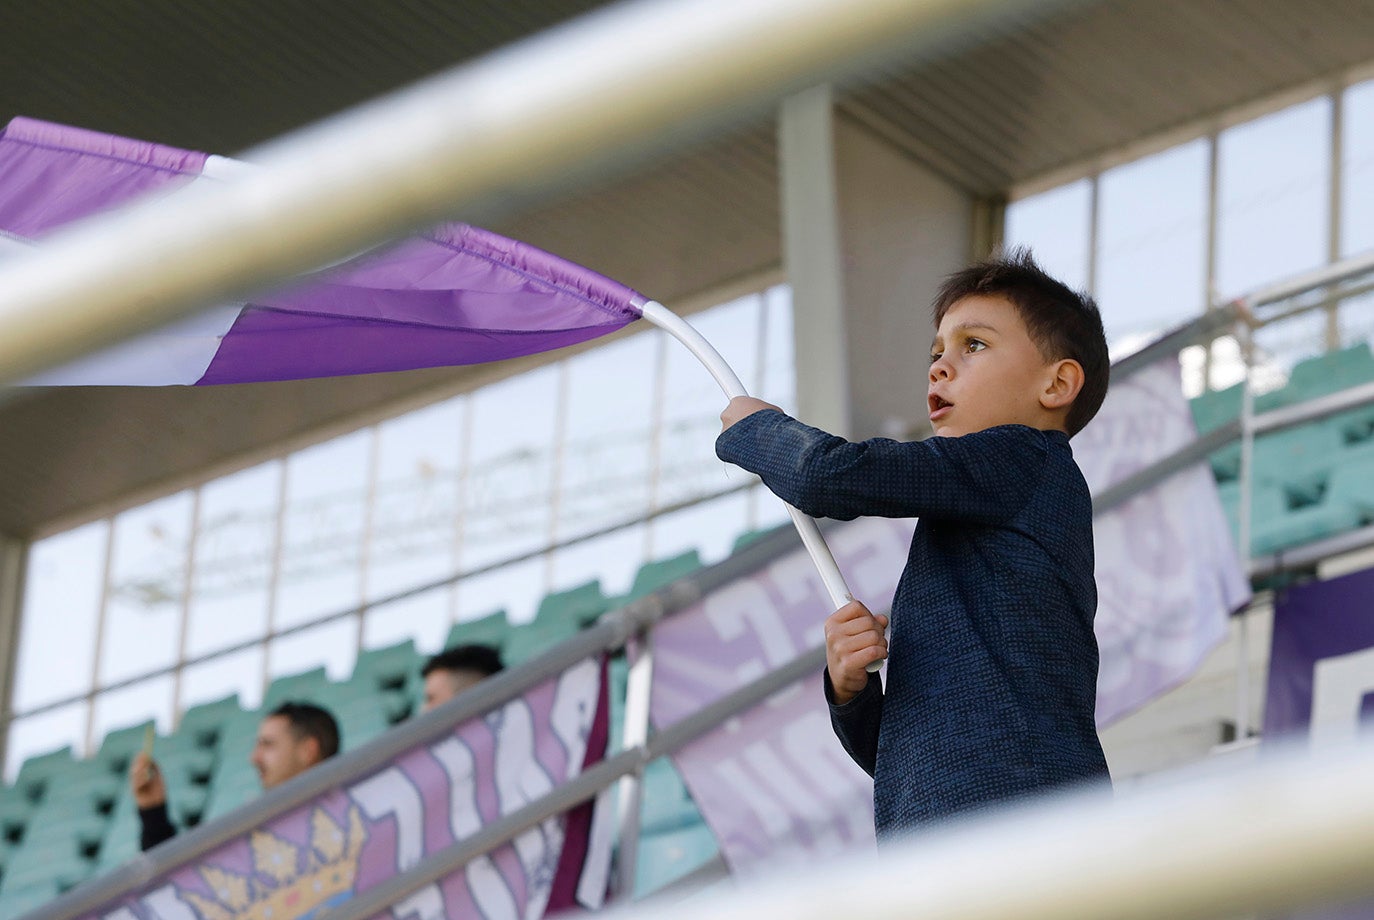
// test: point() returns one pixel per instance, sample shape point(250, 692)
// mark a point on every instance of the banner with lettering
point(1321, 676)
point(1321, 661)
point(773, 784)
point(1168, 574)
point(346, 841)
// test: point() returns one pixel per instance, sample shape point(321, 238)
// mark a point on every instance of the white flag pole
point(815, 544)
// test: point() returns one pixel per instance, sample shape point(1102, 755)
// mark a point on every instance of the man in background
point(291, 739)
point(456, 669)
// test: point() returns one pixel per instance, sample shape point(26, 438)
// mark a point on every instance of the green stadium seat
point(1281, 456)
point(392, 673)
point(1329, 373)
point(488, 630)
point(664, 858)
point(534, 639)
point(752, 536)
point(233, 785)
point(121, 840)
point(119, 747)
point(66, 861)
point(665, 804)
point(360, 720)
point(36, 773)
point(1216, 407)
point(13, 902)
point(306, 687)
point(580, 606)
point(202, 723)
point(654, 575)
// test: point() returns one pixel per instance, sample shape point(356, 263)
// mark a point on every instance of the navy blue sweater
point(992, 665)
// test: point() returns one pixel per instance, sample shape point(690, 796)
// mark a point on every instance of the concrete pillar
point(13, 564)
point(868, 234)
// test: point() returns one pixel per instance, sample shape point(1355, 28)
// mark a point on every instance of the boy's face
point(985, 371)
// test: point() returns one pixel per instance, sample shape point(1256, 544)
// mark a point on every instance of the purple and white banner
point(1168, 574)
point(774, 784)
point(457, 295)
point(350, 839)
point(1321, 675)
point(1321, 661)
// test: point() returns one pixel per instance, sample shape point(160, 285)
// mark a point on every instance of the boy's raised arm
point(984, 477)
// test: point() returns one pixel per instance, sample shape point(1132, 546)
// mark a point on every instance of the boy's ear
point(1063, 384)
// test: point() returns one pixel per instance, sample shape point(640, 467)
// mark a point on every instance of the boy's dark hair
point(480, 658)
point(1063, 323)
point(310, 721)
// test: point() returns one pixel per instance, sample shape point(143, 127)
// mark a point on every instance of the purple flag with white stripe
point(456, 295)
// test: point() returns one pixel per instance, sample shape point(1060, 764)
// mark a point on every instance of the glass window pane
point(238, 672)
point(710, 528)
point(414, 517)
point(688, 466)
point(607, 452)
point(61, 607)
point(425, 618)
point(333, 645)
point(1273, 176)
point(36, 735)
point(613, 559)
point(516, 589)
point(778, 376)
point(1357, 217)
point(231, 583)
point(1152, 242)
point(147, 583)
point(1056, 225)
point(133, 705)
point(511, 450)
point(326, 492)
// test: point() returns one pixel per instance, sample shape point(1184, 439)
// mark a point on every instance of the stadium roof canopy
point(1022, 103)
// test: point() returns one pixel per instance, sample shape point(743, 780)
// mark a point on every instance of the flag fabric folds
point(456, 295)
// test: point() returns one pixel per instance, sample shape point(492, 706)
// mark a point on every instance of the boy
point(992, 668)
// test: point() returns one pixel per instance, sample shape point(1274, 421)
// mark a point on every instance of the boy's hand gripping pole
point(815, 544)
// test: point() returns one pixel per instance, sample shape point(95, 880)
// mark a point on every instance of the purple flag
point(457, 295)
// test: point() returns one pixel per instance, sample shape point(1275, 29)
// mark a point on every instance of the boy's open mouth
point(938, 404)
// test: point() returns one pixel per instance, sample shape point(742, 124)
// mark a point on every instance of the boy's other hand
point(145, 780)
point(740, 407)
point(854, 639)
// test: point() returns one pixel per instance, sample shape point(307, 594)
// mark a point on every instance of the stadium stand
point(65, 819)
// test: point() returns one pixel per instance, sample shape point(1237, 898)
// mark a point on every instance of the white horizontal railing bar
point(1336, 272)
point(1267, 836)
point(515, 124)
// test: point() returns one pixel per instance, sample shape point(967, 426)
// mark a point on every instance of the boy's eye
point(975, 345)
point(935, 356)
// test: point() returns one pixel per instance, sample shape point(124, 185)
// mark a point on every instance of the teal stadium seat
point(203, 722)
point(306, 687)
point(666, 857)
point(391, 673)
point(580, 606)
point(655, 575)
point(752, 536)
point(491, 629)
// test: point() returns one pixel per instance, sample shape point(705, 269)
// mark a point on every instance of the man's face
point(985, 370)
point(279, 755)
point(442, 685)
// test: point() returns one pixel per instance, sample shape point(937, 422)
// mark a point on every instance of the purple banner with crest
point(350, 839)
